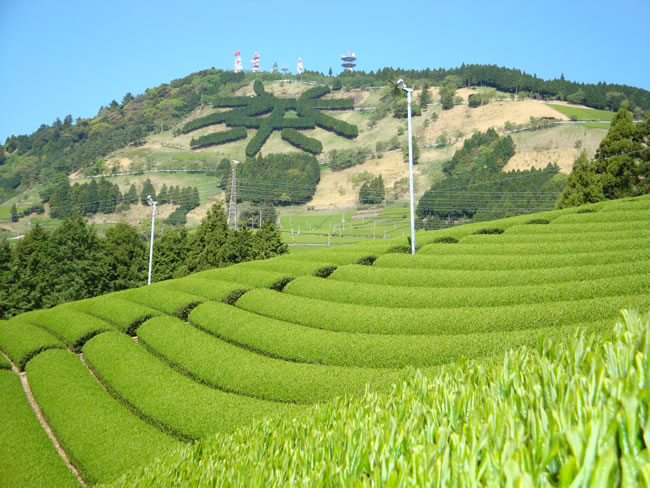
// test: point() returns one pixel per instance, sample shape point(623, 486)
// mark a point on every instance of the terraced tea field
point(124, 378)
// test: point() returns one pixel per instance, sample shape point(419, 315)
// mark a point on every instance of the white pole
point(408, 96)
point(153, 220)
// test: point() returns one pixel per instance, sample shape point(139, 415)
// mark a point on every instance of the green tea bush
point(293, 342)
point(538, 221)
point(71, 326)
point(4, 363)
point(243, 275)
point(27, 456)
point(102, 438)
point(536, 248)
point(288, 265)
point(570, 413)
point(486, 278)
point(124, 315)
point(420, 297)
point(346, 317)
point(508, 262)
point(578, 228)
point(21, 341)
point(547, 238)
point(160, 297)
point(205, 288)
point(445, 240)
point(604, 217)
point(335, 256)
point(162, 396)
point(212, 361)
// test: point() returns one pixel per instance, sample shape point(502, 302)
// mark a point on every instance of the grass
point(162, 396)
point(583, 113)
point(27, 456)
point(102, 438)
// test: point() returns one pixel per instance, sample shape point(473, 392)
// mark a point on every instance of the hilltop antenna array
point(237, 61)
point(232, 208)
point(349, 61)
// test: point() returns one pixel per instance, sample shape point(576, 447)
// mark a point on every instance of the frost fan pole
point(401, 85)
point(153, 220)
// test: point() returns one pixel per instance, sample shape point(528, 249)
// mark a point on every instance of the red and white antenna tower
point(256, 62)
point(237, 61)
point(299, 66)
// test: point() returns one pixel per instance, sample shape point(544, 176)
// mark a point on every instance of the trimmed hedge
point(445, 240)
point(604, 217)
point(205, 288)
point(125, 315)
point(215, 118)
point(346, 317)
point(258, 140)
point(289, 265)
point(4, 363)
point(420, 297)
point(578, 228)
point(73, 327)
point(102, 438)
point(473, 278)
point(508, 262)
point(315, 92)
point(210, 360)
point(490, 230)
point(336, 256)
point(160, 297)
point(326, 122)
point(21, 341)
point(27, 456)
point(223, 102)
point(217, 138)
point(334, 104)
point(244, 277)
point(537, 248)
point(163, 397)
point(293, 342)
point(547, 238)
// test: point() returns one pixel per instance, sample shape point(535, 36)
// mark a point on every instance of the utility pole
point(232, 208)
point(401, 85)
point(153, 220)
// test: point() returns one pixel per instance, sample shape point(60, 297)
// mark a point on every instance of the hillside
point(224, 348)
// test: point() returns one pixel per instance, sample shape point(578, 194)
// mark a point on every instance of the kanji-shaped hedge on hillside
point(247, 111)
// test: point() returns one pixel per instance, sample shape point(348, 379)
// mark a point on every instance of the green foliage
point(223, 173)
point(460, 417)
point(217, 138)
point(123, 315)
point(126, 257)
point(336, 84)
point(340, 159)
point(162, 396)
point(425, 96)
point(400, 109)
point(112, 440)
point(27, 457)
point(258, 88)
point(372, 192)
point(21, 341)
point(301, 141)
point(621, 167)
point(13, 213)
point(161, 298)
point(489, 230)
point(279, 179)
point(539, 221)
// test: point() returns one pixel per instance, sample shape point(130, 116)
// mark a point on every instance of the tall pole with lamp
point(401, 85)
point(153, 220)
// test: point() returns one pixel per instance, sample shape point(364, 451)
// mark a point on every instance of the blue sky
point(71, 57)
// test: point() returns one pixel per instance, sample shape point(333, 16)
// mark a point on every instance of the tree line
point(72, 262)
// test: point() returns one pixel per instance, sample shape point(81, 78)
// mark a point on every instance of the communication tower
point(349, 61)
point(237, 61)
point(256, 62)
point(232, 208)
point(299, 66)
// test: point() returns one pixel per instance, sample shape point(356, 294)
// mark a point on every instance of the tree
point(31, 264)
point(330, 72)
point(147, 189)
point(14, 213)
point(400, 109)
point(170, 251)
point(127, 98)
point(125, 257)
point(223, 173)
point(206, 245)
point(131, 196)
point(336, 84)
point(582, 186)
point(163, 196)
point(416, 150)
point(425, 96)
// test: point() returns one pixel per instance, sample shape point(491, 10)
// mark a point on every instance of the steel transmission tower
point(232, 208)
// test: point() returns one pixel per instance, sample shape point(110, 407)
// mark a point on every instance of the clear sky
point(72, 56)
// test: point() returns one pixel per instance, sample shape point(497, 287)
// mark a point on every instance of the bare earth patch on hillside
point(336, 187)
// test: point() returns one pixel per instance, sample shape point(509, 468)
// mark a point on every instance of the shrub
point(27, 456)
point(491, 230)
point(301, 141)
point(159, 297)
point(539, 221)
point(366, 261)
point(258, 140)
point(324, 272)
point(198, 123)
point(446, 240)
point(101, 438)
point(124, 315)
point(21, 341)
point(217, 138)
point(316, 92)
point(585, 210)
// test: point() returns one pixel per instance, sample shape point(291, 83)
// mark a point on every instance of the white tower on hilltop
point(300, 66)
point(237, 61)
point(256, 62)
